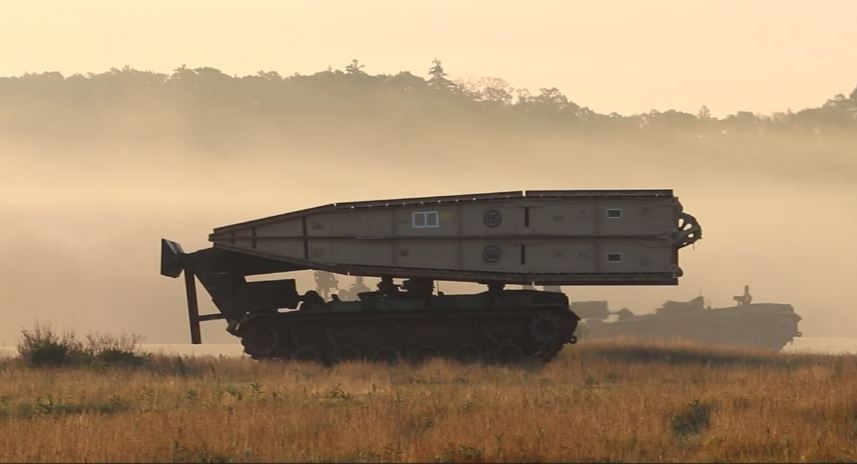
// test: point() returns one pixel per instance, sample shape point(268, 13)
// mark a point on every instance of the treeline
point(206, 101)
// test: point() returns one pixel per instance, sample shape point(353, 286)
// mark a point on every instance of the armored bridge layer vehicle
point(577, 237)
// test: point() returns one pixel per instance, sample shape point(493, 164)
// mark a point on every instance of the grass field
point(597, 402)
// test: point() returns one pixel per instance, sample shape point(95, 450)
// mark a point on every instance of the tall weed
point(42, 347)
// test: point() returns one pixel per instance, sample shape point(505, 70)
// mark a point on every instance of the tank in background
point(758, 325)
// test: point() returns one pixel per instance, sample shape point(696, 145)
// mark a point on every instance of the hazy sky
point(623, 56)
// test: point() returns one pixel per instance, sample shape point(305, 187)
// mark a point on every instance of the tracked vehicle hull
point(502, 335)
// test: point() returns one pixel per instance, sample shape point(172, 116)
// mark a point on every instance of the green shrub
point(52, 406)
point(462, 453)
point(202, 454)
point(693, 419)
point(42, 347)
point(114, 351)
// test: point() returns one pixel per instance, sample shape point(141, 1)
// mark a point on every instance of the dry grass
point(596, 402)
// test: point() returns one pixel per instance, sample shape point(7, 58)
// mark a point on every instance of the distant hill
point(205, 103)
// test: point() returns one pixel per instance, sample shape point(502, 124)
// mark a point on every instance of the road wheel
point(307, 354)
point(260, 341)
point(468, 354)
point(509, 353)
point(348, 353)
point(387, 355)
point(545, 328)
point(426, 352)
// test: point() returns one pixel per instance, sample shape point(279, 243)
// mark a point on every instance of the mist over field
point(97, 168)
